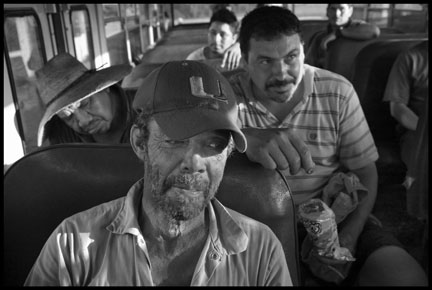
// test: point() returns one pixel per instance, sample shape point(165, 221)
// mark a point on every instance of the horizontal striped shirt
point(329, 119)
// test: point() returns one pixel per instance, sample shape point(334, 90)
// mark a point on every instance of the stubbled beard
point(179, 206)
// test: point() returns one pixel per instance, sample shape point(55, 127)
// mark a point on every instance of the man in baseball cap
point(169, 229)
point(187, 98)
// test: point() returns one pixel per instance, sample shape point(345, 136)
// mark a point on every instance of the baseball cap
point(187, 98)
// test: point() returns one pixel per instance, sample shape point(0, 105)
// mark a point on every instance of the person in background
point(407, 91)
point(170, 230)
point(308, 122)
point(222, 34)
point(81, 105)
point(340, 25)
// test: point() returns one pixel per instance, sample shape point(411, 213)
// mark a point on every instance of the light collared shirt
point(329, 119)
point(104, 246)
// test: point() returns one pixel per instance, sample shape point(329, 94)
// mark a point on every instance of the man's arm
point(404, 115)
point(352, 226)
point(278, 148)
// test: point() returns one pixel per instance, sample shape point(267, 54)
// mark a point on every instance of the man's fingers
point(304, 153)
point(263, 158)
point(224, 59)
point(279, 159)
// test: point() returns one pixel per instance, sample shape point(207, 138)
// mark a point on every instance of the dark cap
point(187, 98)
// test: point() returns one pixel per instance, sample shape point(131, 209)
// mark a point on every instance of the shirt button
point(214, 256)
point(313, 136)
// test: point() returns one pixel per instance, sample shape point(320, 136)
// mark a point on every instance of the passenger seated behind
point(308, 122)
point(82, 106)
point(222, 52)
point(340, 25)
point(407, 90)
point(169, 229)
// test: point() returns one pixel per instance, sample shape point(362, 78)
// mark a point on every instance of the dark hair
point(141, 121)
point(267, 22)
point(225, 16)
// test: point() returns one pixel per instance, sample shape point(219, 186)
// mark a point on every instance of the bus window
point(188, 14)
point(82, 38)
point(307, 11)
point(115, 34)
point(146, 34)
point(25, 52)
point(130, 13)
point(410, 17)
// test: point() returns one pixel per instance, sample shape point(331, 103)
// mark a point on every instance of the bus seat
point(48, 185)
point(342, 52)
point(133, 80)
point(310, 27)
point(371, 70)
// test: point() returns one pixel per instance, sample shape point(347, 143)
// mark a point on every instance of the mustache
point(277, 83)
point(187, 180)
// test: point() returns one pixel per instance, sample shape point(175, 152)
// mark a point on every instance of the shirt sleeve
point(278, 273)
point(357, 146)
point(398, 86)
point(62, 261)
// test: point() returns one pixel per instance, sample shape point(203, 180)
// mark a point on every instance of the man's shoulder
point(250, 226)
point(239, 80)
point(324, 76)
point(100, 215)
point(197, 54)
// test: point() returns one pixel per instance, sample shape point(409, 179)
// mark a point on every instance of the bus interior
point(146, 36)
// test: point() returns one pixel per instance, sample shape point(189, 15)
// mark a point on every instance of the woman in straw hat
point(84, 106)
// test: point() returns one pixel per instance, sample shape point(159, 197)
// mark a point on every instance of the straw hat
point(64, 80)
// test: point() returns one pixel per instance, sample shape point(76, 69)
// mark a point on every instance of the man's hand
point(231, 57)
point(278, 148)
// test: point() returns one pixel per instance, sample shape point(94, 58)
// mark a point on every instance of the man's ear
point(136, 142)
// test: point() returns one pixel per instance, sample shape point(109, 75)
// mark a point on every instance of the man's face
point(184, 175)
point(339, 14)
point(276, 66)
point(220, 37)
point(91, 116)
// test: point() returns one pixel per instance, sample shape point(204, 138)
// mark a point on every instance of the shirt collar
point(126, 221)
point(226, 235)
point(225, 231)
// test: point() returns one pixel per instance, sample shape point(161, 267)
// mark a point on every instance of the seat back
point(48, 185)
point(342, 52)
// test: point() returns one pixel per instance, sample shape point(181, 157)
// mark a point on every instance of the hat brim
point(183, 124)
point(88, 86)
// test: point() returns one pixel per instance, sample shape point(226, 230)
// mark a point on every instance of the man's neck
point(174, 247)
point(156, 223)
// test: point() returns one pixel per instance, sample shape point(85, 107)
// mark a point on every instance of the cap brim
point(183, 124)
point(89, 86)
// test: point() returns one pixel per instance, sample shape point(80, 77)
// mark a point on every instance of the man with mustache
point(308, 122)
point(169, 229)
point(340, 25)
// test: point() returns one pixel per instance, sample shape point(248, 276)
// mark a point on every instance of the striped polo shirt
point(329, 119)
